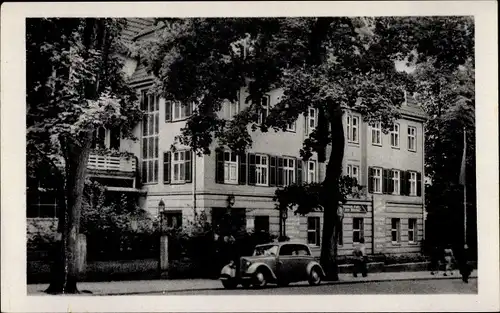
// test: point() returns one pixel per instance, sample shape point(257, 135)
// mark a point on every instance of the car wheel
point(260, 280)
point(314, 277)
point(229, 284)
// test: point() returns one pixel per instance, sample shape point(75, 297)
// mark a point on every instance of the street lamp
point(284, 216)
point(161, 208)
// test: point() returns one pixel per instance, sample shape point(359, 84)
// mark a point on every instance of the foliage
point(305, 198)
point(329, 63)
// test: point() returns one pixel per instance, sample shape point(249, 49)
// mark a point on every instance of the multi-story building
point(391, 166)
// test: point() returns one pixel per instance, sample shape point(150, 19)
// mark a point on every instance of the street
point(436, 286)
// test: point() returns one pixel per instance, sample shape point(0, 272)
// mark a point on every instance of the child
point(449, 259)
point(360, 259)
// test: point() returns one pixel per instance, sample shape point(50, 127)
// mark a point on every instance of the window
point(291, 127)
point(181, 166)
point(261, 223)
point(311, 171)
point(263, 109)
point(313, 230)
point(357, 229)
point(175, 111)
point(288, 171)
point(413, 183)
point(231, 109)
point(106, 138)
point(412, 230)
point(396, 182)
point(261, 169)
point(352, 128)
point(150, 121)
point(375, 181)
point(173, 219)
point(41, 201)
point(412, 138)
point(395, 136)
point(377, 134)
point(230, 168)
point(312, 119)
point(353, 171)
point(395, 230)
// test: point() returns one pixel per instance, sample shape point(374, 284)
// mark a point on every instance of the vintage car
point(280, 263)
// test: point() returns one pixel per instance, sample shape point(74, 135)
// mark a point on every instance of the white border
point(13, 271)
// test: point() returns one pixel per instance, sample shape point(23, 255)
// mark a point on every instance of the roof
point(140, 75)
point(135, 26)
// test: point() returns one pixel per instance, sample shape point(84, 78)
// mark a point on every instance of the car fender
point(313, 264)
point(228, 271)
point(253, 268)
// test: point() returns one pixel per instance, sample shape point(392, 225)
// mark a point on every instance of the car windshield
point(267, 250)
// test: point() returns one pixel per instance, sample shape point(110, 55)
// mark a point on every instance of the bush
point(41, 236)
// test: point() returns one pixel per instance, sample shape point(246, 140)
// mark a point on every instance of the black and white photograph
point(278, 154)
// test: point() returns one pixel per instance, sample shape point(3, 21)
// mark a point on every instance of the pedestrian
point(449, 260)
point(436, 257)
point(464, 266)
point(360, 259)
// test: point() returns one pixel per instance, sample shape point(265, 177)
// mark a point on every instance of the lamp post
point(161, 209)
point(284, 216)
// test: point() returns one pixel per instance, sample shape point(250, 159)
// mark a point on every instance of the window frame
point(292, 127)
point(227, 165)
point(287, 169)
point(309, 171)
point(352, 129)
point(150, 133)
point(350, 171)
point(316, 230)
point(375, 177)
point(376, 128)
point(396, 230)
point(396, 182)
point(395, 137)
point(412, 138)
point(259, 167)
point(359, 230)
point(412, 182)
point(261, 120)
point(412, 229)
point(182, 113)
point(229, 107)
point(313, 118)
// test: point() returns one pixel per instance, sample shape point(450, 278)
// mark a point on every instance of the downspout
point(424, 219)
point(194, 184)
point(373, 226)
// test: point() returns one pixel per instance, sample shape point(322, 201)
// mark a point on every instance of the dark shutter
point(402, 183)
point(188, 109)
point(385, 181)
point(298, 173)
point(251, 169)
point(272, 170)
point(280, 172)
point(188, 164)
point(419, 184)
point(242, 172)
point(219, 166)
point(390, 182)
point(370, 179)
point(168, 111)
point(406, 186)
point(166, 167)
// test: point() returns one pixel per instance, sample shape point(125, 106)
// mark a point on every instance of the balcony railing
point(111, 163)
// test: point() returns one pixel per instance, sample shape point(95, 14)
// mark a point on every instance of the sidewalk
point(138, 287)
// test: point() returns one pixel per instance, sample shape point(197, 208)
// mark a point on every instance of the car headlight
point(231, 264)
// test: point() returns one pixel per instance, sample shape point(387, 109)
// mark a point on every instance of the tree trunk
point(330, 197)
point(65, 269)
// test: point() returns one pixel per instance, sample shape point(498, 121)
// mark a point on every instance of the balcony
point(111, 163)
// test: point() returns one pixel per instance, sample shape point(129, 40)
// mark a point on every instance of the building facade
point(391, 166)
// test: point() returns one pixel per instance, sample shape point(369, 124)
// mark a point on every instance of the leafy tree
point(448, 98)
point(74, 84)
point(329, 63)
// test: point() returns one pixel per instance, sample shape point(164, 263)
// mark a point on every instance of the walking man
point(360, 259)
